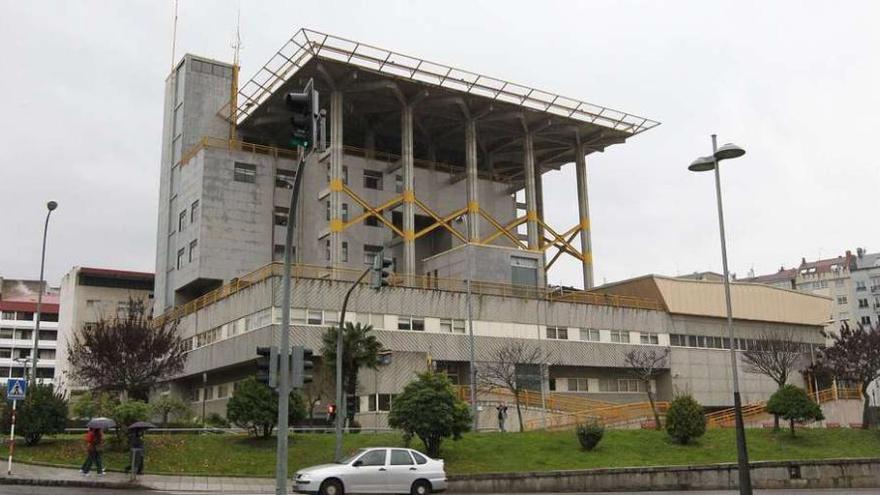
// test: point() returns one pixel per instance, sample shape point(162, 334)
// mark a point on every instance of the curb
point(70, 483)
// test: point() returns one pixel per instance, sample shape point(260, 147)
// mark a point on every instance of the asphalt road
point(38, 490)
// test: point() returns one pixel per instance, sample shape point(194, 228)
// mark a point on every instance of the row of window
point(182, 257)
point(711, 342)
point(594, 335)
point(242, 325)
point(372, 179)
point(27, 316)
point(26, 334)
point(611, 385)
point(18, 372)
point(193, 216)
point(10, 353)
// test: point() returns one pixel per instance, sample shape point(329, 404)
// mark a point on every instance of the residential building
point(440, 170)
point(865, 288)
point(18, 315)
point(89, 295)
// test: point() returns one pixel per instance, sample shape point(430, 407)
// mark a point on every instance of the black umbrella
point(141, 425)
point(101, 423)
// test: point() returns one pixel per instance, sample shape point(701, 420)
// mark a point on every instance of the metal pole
point(340, 334)
point(11, 438)
point(284, 347)
point(40, 297)
point(745, 479)
point(470, 317)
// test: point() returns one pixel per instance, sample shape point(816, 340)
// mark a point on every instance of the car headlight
point(302, 477)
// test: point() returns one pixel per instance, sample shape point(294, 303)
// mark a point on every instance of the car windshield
point(351, 457)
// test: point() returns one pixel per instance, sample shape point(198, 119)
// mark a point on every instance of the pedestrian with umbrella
point(94, 443)
point(136, 444)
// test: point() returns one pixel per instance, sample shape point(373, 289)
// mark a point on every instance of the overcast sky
point(795, 83)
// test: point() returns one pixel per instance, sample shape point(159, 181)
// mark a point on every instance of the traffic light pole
point(284, 347)
point(340, 333)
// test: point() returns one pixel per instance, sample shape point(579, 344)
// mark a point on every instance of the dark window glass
point(420, 459)
point(245, 172)
point(400, 458)
point(373, 458)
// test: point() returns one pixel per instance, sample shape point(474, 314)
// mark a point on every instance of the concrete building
point(89, 295)
point(865, 295)
point(18, 306)
point(441, 169)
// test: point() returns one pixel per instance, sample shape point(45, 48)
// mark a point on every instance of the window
point(400, 458)
point(620, 336)
point(373, 458)
point(222, 391)
point(866, 320)
point(46, 354)
point(372, 221)
point(452, 326)
point(284, 178)
point(844, 316)
point(21, 334)
point(841, 299)
point(379, 402)
point(331, 317)
point(297, 316)
point(5, 353)
point(677, 340)
point(181, 221)
point(863, 303)
point(590, 334)
point(196, 395)
point(24, 316)
point(245, 172)
point(180, 254)
point(560, 333)
point(345, 174)
point(630, 385)
point(649, 338)
point(370, 253)
point(194, 211)
point(5, 333)
point(23, 353)
point(420, 459)
point(344, 251)
point(344, 212)
point(281, 215)
point(209, 393)
point(193, 249)
point(398, 183)
point(861, 286)
point(8, 315)
point(523, 271)
point(50, 317)
point(327, 250)
point(372, 179)
point(315, 317)
point(327, 209)
point(577, 385)
point(413, 323)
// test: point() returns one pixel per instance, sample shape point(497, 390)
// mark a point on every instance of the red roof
point(50, 304)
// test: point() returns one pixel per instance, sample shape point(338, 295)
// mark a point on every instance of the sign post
point(16, 389)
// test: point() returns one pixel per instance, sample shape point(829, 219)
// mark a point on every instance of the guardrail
point(613, 415)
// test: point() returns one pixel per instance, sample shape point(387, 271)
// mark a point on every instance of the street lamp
point(704, 164)
point(51, 205)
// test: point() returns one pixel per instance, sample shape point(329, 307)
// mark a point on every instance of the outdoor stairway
point(556, 402)
point(609, 415)
point(727, 418)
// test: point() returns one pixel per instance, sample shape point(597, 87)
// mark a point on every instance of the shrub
point(43, 412)
point(590, 434)
point(793, 404)
point(167, 406)
point(90, 405)
point(217, 421)
point(685, 419)
point(126, 413)
point(254, 407)
point(429, 409)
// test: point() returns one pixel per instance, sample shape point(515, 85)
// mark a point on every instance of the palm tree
point(360, 348)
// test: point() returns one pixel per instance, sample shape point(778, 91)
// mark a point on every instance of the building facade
point(89, 295)
point(18, 314)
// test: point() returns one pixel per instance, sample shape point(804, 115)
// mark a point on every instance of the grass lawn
point(475, 453)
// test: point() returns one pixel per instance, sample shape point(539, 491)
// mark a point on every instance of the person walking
point(502, 415)
point(136, 447)
point(94, 442)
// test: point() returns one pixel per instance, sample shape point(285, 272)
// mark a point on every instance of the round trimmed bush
point(589, 434)
point(685, 419)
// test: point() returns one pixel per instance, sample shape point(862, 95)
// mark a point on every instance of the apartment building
point(18, 315)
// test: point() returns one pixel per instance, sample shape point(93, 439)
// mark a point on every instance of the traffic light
point(305, 116)
point(351, 403)
point(301, 366)
point(381, 272)
point(267, 366)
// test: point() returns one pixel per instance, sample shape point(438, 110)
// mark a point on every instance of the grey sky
point(795, 83)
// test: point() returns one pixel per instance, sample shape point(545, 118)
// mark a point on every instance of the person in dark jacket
point(94, 442)
point(502, 415)
point(136, 447)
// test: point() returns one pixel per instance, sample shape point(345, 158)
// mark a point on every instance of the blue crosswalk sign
point(16, 389)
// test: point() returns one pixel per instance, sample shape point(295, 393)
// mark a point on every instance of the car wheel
point(331, 487)
point(420, 487)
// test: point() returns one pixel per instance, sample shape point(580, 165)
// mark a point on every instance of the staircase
point(613, 415)
point(727, 418)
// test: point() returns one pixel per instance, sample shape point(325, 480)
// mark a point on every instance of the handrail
point(553, 401)
point(303, 271)
point(726, 416)
point(608, 416)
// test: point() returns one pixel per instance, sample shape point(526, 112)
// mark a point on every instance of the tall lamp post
point(705, 164)
point(51, 205)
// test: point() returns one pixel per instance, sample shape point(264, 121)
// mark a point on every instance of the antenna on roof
point(174, 36)
point(233, 89)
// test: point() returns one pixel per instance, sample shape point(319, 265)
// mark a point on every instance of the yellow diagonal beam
point(559, 253)
point(500, 228)
point(444, 222)
point(376, 212)
point(508, 228)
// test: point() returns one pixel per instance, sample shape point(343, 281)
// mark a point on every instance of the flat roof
point(376, 82)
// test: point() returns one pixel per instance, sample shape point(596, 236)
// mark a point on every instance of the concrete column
point(369, 143)
point(473, 199)
point(409, 219)
point(336, 158)
point(531, 198)
point(539, 202)
point(580, 166)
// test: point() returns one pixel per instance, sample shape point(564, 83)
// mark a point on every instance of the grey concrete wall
point(488, 263)
point(843, 473)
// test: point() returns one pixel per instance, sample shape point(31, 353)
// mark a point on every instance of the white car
point(375, 470)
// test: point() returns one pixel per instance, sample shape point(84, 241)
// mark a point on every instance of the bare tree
point(126, 354)
point(776, 357)
point(317, 390)
point(501, 371)
point(645, 364)
point(855, 355)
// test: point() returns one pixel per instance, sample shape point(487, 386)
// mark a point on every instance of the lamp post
point(704, 164)
point(51, 205)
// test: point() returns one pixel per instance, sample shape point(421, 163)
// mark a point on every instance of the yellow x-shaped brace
point(438, 221)
point(504, 230)
point(375, 212)
point(560, 241)
point(559, 253)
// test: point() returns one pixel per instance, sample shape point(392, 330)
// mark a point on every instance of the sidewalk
point(52, 476)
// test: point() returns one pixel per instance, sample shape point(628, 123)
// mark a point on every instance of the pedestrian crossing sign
point(16, 388)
